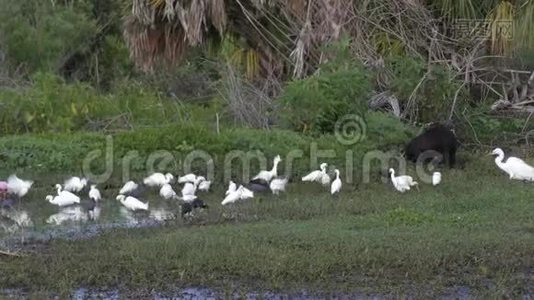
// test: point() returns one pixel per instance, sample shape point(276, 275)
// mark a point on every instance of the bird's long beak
point(489, 154)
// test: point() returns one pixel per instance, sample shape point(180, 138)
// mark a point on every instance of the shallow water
point(34, 218)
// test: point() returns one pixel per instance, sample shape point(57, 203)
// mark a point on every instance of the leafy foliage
point(341, 87)
point(427, 90)
point(53, 105)
point(46, 34)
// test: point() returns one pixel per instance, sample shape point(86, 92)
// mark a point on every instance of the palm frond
point(523, 26)
point(500, 21)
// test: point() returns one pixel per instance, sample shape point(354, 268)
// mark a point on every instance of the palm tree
point(287, 38)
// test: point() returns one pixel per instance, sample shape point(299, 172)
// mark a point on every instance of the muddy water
point(35, 219)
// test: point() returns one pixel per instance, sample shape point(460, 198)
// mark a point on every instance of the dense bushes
point(315, 103)
point(50, 104)
point(426, 91)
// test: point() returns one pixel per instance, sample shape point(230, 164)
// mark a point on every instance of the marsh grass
point(475, 230)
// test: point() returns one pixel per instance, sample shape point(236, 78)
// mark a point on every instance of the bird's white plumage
point(241, 193)
point(74, 184)
point(189, 189)
point(246, 193)
point(128, 187)
point(66, 195)
point(402, 183)
point(94, 193)
point(335, 187)
point(64, 198)
point(188, 198)
point(232, 197)
point(203, 185)
point(515, 167)
point(232, 187)
point(187, 178)
point(436, 178)
point(318, 175)
point(278, 185)
point(17, 186)
point(132, 203)
point(268, 175)
point(158, 179)
point(167, 192)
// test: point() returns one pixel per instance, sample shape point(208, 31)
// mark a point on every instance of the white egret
point(436, 178)
point(335, 187)
point(132, 203)
point(189, 188)
point(241, 193)
point(94, 193)
point(232, 187)
point(158, 179)
point(203, 185)
point(66, 194)
point(514, 166)
point(187, 178)
point(17, 186)
point(268, 175)
point(402, 183)
point(318, 175)
point(74, 184)
point(128, 187)
point(167, 192)
point(188, 198)
point(278, 185)
point(64, 198)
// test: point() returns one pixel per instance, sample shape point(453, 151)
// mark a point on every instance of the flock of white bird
point(266, 180)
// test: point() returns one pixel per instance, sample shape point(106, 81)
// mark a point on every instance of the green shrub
point(341, 87)
point(51, 105)
point(39, 35)
point(431, 88)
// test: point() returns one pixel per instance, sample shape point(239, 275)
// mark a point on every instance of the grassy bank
point(62, 152)
point(475, 230)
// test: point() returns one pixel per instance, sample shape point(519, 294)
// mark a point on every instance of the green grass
point(475, 228)
point(61, 152)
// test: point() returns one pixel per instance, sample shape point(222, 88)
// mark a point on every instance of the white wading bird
point(74, 184)
point(268, 175)
point(402, 183)
point(436, 178)
point(318, 175)
point(17, 186)
point(132, 203)
point(232, 187)
point(204, 185)
point(278, 185)
point(336, 184)
point(187, 178)
point(167, 192)
point(64, 198)
point(158, 179)
point(515, 167)
point(94, 193)
point(241, 193)
point(128, 187)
